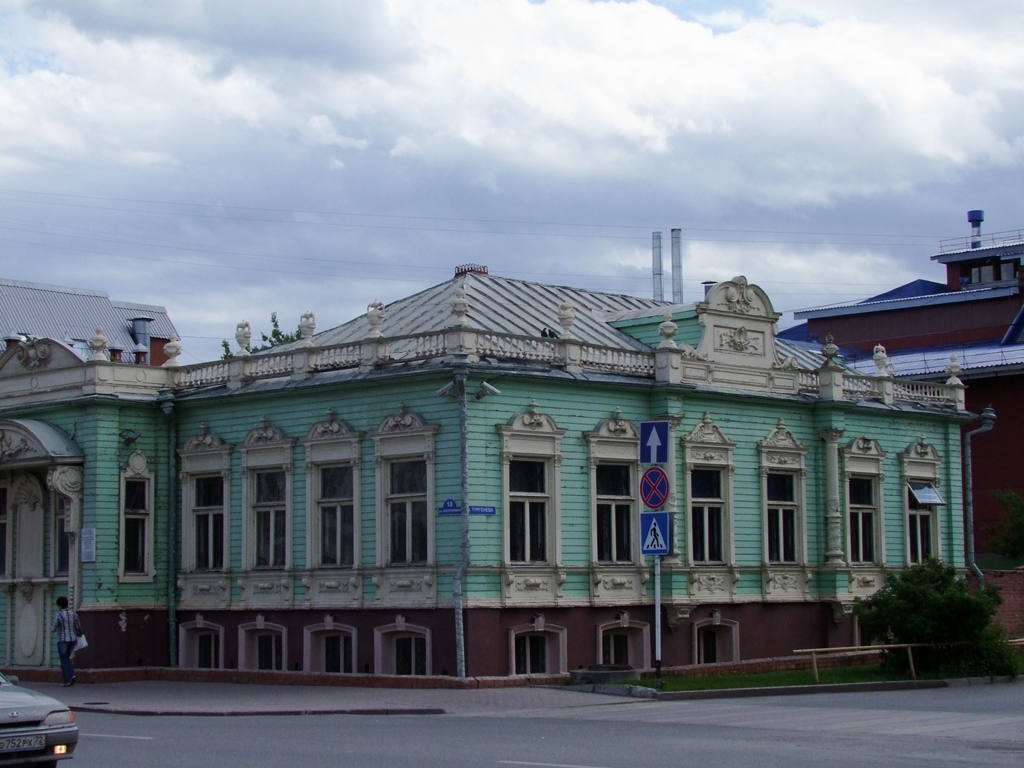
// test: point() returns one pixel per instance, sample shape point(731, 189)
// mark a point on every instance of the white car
point(35, 729)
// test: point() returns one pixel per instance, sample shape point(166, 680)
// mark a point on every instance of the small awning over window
point(925, 493)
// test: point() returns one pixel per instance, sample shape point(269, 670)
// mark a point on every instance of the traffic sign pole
point(657, 620)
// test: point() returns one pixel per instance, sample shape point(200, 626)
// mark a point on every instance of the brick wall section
point(1011, 613)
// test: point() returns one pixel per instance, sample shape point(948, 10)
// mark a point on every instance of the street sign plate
point(653, 442)
point(654, 487)
point(654, 533)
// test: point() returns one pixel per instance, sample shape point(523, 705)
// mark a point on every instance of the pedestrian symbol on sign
point(654, 533)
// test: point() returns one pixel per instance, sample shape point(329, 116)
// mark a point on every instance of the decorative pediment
point(136, 466)
point(615, 428)
point(26, 440)
point(707, 433)
point(331, 429)
point(922, 451)
point(265, 434)
point(532, 420)
point(738, 297)
point(864, 446)
point(204, 441)
point(403, 421)
point(781, 439)
point(36, 354)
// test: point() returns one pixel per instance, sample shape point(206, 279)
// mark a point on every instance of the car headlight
point(65, 717)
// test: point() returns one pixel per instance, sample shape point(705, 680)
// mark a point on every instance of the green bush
point(930, 603)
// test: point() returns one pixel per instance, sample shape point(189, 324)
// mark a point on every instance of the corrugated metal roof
point(501, 305)
point(933, 360)
point(953, 297)
point(72, 314)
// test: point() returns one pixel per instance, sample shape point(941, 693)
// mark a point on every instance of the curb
point(384, 711)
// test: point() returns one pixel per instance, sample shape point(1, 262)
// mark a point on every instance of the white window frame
point(331, 443)
point(248, 637)
point(556, 646)
point(864, 458)
point(313, 637)
point(188, 641)
point(59, 519)
point(707, 448)
point(204, 455)
point(534, 437)
point(781, 453)
point(384, 646)
point(615, 441)
point(266, 449)
point(136, 470)
point(639, 637)
point(920, 463)
point(399, 438)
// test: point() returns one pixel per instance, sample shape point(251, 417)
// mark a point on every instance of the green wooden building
point(450, 485)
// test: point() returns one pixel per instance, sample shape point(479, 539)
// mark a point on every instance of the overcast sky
point(227, 159)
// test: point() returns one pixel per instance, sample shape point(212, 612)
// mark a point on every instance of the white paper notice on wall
point(88, 545)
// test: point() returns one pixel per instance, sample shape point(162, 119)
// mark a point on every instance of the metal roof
point(929, 361)
point(502, 305)
point(953, 297)
point(72, 314)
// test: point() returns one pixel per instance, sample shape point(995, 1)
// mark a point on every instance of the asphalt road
point(982, 726)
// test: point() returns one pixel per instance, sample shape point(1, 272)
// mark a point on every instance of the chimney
point(677, 266)
point(659, 289)
point(140, 332)
point(708, 285)
point(975, 218)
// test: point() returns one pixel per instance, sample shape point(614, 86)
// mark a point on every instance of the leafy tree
point(931, 603)
point(277, 336)
point(1008, 533)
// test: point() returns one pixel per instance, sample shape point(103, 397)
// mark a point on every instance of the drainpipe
point(988, 420)
point(166, 400)
point(460, 573)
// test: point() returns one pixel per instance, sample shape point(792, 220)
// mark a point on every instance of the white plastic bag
point(81, 643)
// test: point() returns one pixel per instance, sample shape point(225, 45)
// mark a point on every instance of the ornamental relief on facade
point(781, 438)
point(34, 353)
point(709, 583)
point(204, 441)
point(707, 432)
point(331, 428)
point(740, 340)
point(264, 434)
point(12, 446)
point(403, 421)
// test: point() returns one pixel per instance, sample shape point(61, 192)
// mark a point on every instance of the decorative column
point(67, 481)
point(668, 358)
point(833, 519)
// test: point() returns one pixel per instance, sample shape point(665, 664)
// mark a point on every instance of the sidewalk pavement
point(151, 697)
point(182, 698)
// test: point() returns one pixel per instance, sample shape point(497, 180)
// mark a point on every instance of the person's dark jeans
point(64, 649)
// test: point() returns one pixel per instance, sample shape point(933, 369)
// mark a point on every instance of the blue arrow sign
point(654, 533)
point(653, 442)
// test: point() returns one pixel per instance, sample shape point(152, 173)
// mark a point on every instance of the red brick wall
point(1011, 613)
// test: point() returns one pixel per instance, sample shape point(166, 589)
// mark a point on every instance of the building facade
point(325, 505)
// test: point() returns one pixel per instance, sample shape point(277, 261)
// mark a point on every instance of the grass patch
point(871, 673)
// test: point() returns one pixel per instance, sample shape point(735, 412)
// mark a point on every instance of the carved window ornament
point(864, 491)
point(137, 521)
point(531, 454)
point(709, 467)
point(333, 509)
point(206, 502)
point(267, 494)
point(614, 483)
point(404, 464)
point(926, 514)
point(784, 497)
point(538, 647)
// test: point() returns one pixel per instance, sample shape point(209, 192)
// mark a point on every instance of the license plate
point(19, 743)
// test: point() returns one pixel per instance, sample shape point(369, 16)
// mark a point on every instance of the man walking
point(68, 630)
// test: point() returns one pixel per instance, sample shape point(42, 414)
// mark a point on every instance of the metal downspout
point(988, 420)
point(166, 400)
point(460, 572)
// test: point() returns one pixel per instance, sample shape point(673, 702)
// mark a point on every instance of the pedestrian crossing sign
point(654, 533)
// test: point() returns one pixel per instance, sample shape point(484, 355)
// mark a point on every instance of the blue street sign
point(450, 507)
point(654, 533)
point(653, 442)
point(483, 510)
